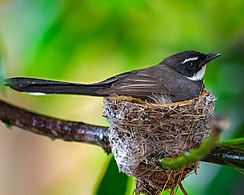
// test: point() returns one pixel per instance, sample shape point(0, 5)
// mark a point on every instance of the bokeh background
point(89, 40)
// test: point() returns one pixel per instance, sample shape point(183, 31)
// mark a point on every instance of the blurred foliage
point(1, 72)
point(90, 40)
point(232, 185)
point(118, 187)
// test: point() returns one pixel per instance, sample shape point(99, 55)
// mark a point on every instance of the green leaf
point(227, 181)
point(237, 142)
point(113, 182)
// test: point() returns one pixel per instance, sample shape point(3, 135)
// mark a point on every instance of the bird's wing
point(139, 83)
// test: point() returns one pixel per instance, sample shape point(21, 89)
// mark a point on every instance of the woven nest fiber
point(139, 131)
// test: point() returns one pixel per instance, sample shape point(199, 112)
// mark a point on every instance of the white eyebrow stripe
point(189, 59)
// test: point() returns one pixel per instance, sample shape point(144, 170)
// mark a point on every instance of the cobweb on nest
point(140, 131)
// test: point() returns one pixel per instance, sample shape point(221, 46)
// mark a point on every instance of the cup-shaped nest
point(139, 131)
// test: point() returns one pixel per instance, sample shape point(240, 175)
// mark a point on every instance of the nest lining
point(139, 130)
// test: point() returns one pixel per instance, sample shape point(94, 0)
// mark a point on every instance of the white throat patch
point(189, 59)
point(199, 75)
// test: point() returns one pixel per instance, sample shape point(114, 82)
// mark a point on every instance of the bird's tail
point(42, 87)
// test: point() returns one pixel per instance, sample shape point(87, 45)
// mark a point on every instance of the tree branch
point(226, 155)
point(81, 132)
point(53, 127)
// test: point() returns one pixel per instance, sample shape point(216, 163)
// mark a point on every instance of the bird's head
point(190, 64)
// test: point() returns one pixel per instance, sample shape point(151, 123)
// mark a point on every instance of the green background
point(89, 40)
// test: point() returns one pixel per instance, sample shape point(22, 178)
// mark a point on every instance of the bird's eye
point(191, 65)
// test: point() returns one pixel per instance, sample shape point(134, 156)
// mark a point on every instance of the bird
point(177, 78)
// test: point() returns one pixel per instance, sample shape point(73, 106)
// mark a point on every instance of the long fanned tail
point(41, 87)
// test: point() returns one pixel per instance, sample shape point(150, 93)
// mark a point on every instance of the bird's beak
point(210, 57)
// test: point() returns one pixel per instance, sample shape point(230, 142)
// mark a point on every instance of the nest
point(139, 131)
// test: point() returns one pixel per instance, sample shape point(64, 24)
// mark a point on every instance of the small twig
point(54, 128)
point(183, 189)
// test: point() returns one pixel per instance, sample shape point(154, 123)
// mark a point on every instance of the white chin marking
point(37, 93)
point(199, 75)
point(189, 59)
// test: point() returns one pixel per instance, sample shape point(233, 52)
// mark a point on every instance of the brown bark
point(53, 127)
